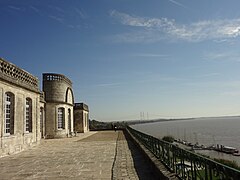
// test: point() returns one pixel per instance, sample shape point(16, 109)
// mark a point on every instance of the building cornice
point(17, 76)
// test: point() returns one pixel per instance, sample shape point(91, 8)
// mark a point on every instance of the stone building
point(27, 115)
point(19, 109)
point(81, 117)
point(59, 105)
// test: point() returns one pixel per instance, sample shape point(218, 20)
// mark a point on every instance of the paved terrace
point(93, 155)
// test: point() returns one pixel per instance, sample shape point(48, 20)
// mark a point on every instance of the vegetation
point(98, 125)
point(229, 163)
point(168, 139)
point(232, 164)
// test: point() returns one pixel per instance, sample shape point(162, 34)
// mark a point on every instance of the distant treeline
point(99, 125)
point(132, 122)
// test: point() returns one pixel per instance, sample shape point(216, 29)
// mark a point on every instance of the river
point(207, 131)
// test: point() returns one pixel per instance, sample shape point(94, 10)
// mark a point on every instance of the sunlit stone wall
point(21, 85)
point(58, 96)
point(81, 117)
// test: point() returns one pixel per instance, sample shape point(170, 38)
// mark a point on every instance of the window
point(41, 120)
point(9, 113)
point(85, 118)
point(69, 120)
point(28, 115)
point(61, 122)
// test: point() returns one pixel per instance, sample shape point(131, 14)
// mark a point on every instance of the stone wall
point(81, 117)
point(21, 85)
point(58, 94)
point(17, 76)
point(52, 130)
point(57, 88)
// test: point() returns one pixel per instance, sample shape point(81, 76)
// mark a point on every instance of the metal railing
point(186, 164)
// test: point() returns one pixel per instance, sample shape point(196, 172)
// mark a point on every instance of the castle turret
point(59, 105)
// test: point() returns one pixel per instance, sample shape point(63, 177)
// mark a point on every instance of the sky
point(131, 59)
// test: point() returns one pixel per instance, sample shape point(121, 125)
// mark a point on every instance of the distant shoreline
point(133, 122)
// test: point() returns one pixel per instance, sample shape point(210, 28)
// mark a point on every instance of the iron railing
point(186, 164)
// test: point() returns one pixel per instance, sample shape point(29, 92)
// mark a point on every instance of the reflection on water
point(206, 131)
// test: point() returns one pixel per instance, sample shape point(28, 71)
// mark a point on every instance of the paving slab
point(129, 161)
point(93, 155)
point(88, 156)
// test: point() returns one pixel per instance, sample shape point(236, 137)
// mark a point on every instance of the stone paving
point(93, 155)
point(129, 162)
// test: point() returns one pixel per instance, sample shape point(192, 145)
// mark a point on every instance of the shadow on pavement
point(141, 164)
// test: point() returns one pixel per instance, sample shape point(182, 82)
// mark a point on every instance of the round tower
point(59, 105)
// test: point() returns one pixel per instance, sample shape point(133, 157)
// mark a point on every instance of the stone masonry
point(27, 115)
point(19, 104)
point(81, 117)
point(93, 155)
point(59, 105)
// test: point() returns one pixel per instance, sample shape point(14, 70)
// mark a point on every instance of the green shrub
point(168, 139)
point(229, 163)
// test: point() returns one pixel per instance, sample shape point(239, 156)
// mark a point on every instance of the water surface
point(206, 131)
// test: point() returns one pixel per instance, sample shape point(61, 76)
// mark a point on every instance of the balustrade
point(186, 164)
point(16, 75)
point(56, 77)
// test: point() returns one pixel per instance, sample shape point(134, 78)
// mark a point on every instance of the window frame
point(28, 115)
point(60, 118)
point(9, 113)
point(69, 120)
point(41, 119)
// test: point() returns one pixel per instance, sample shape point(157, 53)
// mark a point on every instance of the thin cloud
point(209, 75)
point(80, 13)
point(146, 36)
point(223, 56)
point(177, 3)
point(56, 8)
point(16, 8)
point(151, 55)
point(35, 9)
point(59, 9)
point(221, 40)
point(129, 20)
point(109, 84)
point(215, 84)
point(71, 17)
point(156, 29)
point(56, 18)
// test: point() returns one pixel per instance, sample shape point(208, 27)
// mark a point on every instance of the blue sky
point(163, 58)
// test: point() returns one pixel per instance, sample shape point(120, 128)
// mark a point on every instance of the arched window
point(69, 120)
point(61, 120)
point(69, 96)
point(85, 118)
point(9, 113)
point(41, 120)
point(28, 115)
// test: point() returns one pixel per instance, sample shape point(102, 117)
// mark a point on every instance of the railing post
point(206, 170)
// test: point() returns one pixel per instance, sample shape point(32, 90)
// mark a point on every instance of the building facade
point(81, 117)
point(59, 105)
point(27, 115)
point(19, 109)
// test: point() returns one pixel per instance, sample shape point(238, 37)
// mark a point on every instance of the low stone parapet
point(161, 171)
